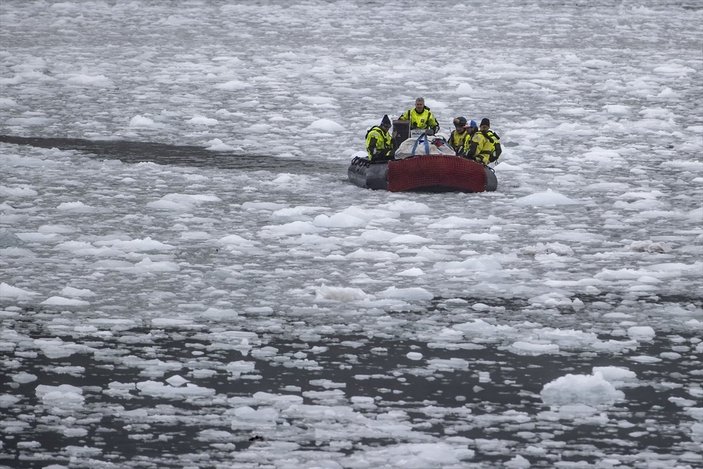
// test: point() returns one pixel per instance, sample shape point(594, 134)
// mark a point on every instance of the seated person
point(379, 143)
point(458, 135)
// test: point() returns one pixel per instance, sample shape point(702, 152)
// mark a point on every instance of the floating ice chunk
point(407, 294)
point(545, 198)
point(697, 432)
point(140, 121)
point(318, 100)
point(377, 236)
point(413, 272)
point(8, 400)
point(407, 207)
point(278, 401)
point(409, 239)
point(9, 239)
point(584, 414)
point(464, 89)
point(447, 364)
point(343, 294)
point(532, 349)
point(219, 314)
point(327, 384)
point(641, 333)
point(23, 377)
point(597, 63)
point(61, 301)
point(325, 125)
point(147, 265)
point(8, 291)
point(288, 229)
point(265, 414)
point(649, 246)
point(551, 300)
point(601, 155)
point(434, 455)
point(338, 220)
point(57, 348)
point(248, 418)
point(202, 120)
point(100, 81)
point(218, 145)
point(63, 396)
point(480, 328)
point(7, 103)
point(380, 256)
point(486, 265)
point(176, 380)
point(211, 435)
point(76, 292)
point(646, 359)
point(233, 85)
point(16, 192)
point(172, 323)
point(580, 389)
point(617, 376)
point(156, 389)
point(617, 109)
point(75, 207)
point(454, 222)
point(137, 245)
point(182, 202)
point(363, 402)
point(517, 462)
point(674, 70)
point(414, 355)
point(236, 368)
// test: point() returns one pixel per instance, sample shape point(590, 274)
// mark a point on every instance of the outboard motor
point(401, 132)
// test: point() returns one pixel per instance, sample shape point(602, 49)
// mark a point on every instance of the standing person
point(458, 135)
point(421, 117)
point(379, 143)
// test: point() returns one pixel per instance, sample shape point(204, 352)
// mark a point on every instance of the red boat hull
point(436, 172)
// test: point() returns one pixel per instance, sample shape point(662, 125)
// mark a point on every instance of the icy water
point(187, 279)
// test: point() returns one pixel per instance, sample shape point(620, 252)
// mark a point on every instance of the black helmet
point(460, 121)
point(386, 122)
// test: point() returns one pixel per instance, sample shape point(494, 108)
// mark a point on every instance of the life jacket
point(423, 120)
point(383, 141)
point(485, 146)
point(456, 140)
point(493, 140)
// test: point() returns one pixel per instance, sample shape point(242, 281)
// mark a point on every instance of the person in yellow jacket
point(492, 137)
point(421, 117)
point(379, 143)
point(458, 135)
point(484, 145)
point(471, 130)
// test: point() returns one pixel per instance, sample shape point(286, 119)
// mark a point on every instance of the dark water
point(132, 429)
point(168, 154)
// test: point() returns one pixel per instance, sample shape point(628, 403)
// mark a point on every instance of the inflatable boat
point(423, 163)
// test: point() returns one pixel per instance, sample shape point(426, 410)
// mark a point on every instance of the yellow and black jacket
point(379, 143)
point(483, 147)
point(423, 120)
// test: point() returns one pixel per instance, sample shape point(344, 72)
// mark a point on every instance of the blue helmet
point(472, 124)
